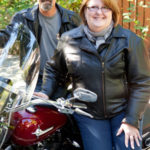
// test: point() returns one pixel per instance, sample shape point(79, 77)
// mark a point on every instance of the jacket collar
point(64, 14)
point(32, 13)
point(118, 32)
point(79, 33)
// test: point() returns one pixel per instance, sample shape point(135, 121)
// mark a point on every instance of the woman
point(105, 58)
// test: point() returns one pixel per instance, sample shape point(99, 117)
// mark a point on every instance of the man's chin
point(46, 6)
point(43, 1)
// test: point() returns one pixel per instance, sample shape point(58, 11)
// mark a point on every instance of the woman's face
point(97, 15)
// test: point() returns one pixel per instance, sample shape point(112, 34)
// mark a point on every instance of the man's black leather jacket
point(29, 17)
point(118, 72)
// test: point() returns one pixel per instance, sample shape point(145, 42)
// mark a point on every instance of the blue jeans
point(101, 134)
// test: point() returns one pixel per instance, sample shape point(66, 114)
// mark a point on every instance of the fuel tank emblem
point(40, 132)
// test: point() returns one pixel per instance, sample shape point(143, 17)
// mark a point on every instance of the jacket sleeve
point(138, 75)
point(55, 72)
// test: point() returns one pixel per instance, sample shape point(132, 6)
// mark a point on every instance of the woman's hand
point(131, 133)
point(40, 94)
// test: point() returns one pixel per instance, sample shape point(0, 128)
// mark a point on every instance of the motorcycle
point(31, 123)
point(43, 125)
point(26, 121)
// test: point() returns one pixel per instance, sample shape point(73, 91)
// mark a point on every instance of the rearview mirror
point(85, 95)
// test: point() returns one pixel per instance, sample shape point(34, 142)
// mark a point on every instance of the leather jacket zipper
point(102, 60)
point(103, 88)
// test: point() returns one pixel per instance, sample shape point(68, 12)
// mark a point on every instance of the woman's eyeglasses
point(96, 8)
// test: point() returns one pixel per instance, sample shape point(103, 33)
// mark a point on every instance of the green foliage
point(73, 5)
point(129, 17)
point(9, 7)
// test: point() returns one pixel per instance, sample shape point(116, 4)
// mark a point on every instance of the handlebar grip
point(79, 105)
point(79, 111)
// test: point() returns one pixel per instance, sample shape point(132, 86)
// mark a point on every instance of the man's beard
point(46, 6)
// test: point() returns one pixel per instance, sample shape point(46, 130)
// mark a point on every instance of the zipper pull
point(103, 65)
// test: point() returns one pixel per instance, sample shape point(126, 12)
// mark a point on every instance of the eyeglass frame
point(103, 9)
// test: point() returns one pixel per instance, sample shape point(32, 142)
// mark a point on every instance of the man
point(47, 21)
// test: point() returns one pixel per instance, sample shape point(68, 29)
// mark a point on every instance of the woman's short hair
point(111, 4)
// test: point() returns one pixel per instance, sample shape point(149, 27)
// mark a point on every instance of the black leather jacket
point(118, 72)
point(29, 17)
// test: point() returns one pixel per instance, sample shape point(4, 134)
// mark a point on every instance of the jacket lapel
point(118, 42)
point(86, 45)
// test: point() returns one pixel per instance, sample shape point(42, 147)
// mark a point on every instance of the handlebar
point(62, 105)
point(68, 106)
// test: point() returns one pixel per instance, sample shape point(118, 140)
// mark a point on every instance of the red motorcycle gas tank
point(34, 127)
